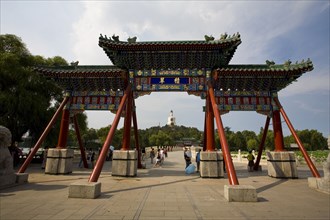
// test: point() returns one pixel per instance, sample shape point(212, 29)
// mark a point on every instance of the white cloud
point(275, 30)
point(308, 83)
point(181, 21)
point(260, 23)
point(306, 107)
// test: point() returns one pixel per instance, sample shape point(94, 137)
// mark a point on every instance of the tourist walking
point(158, 159)
point(92, 159)
point(81, 159)
point(143, 153)
point(250, 158)
point(15, 152)
point(165, 151)
point(152, 155)
point(162, 156)
point(187, 157)
point(198, 159)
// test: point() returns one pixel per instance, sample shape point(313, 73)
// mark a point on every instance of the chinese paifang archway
point(200, 68)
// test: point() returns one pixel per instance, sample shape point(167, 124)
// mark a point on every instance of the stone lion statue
point(6, 160)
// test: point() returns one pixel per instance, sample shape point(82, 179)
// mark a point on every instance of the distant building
point(294, 147)
point(187, 142)
point(171, 119)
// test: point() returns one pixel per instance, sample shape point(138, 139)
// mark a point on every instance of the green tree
point(311, 139)
point(318, 142)
point(82, 124)
point(143, 138)
point(27, 100)
point(269, 142)
point(248, 135)
point(102, 134)
point(160, 139)
point(252, 144)
point(305, 137)
point(91, 140)
point(239, 141)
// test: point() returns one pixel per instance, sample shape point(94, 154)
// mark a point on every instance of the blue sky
point(272, 30)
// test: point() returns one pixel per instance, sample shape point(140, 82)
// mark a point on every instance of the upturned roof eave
point(282, 68)
point(107, 43)
point(80, 71)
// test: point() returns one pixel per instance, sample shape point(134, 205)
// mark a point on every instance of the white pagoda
point(171, 119)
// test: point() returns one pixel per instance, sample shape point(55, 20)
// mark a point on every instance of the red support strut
point(210, 143)
point(278, 133)
point(224, 145)
point(127, 124)
point(205, 130)
point(43, 136)
point(262, 144)
point(103, 154)
point(64, 129)
point(81, 146)
point(136, 135)
point(300, 145)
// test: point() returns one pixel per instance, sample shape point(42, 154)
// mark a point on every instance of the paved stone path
point(163, 193)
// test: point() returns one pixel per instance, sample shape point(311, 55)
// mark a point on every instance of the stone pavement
point(163, 193)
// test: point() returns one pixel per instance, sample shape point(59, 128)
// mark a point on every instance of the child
point(250, 158)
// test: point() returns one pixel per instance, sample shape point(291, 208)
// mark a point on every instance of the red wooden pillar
point(103, 154)
point(278, 134)
point(300, 145)
point(210, 143)
point(43, 136)
point(81, 146)
point(136, 135)
point(127, 124)
point(205, 129)
point(64, 129)
point(262, 144)
point(224, 145)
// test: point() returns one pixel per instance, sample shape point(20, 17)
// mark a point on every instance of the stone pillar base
point(240, 193)
point(320, 184)
point(13, 179)
point(22, 178)
point(124, 163)
point(59, 161)
point(85, 190)
point(211, 164)
point(282, 164)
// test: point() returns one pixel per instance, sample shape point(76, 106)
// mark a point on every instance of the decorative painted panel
point(260, 101)
point(169, 80)
point(95, 100)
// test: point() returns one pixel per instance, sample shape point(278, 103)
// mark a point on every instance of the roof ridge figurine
point(115, 38)
point(131, 40)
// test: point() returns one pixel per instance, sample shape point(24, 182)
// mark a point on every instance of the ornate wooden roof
point(175, 66)
point(269, 77)
point(231, 77)
point(210, 53)
point(86, 78)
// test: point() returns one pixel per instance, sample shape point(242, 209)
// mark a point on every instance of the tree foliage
point(311, 139)
point(154, 136)
point(27, 100)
